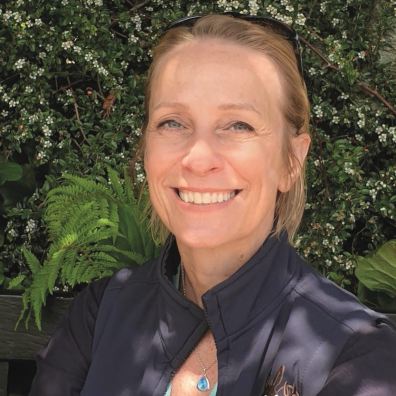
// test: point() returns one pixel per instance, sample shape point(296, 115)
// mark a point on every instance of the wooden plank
point(3, 378)
point(22, 343)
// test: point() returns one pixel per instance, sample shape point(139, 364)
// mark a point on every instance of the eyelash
point(163, 124)
point(246, 126)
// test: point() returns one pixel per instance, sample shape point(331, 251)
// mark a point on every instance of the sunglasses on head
point(277, 26)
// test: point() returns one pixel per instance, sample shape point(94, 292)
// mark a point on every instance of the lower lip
point(203, 207)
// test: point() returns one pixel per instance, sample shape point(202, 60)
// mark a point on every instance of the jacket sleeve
point(367, 365)
point(63, 364)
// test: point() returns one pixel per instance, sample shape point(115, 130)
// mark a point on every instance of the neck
point(205, 268)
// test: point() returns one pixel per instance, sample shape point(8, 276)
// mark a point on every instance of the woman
point(229, 308)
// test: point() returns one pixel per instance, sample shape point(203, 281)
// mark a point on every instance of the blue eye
point(170, 124)
point(240, 126)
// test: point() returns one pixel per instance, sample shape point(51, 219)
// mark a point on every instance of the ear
point(299, 146)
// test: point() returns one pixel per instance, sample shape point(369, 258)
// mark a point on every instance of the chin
point(204, 238)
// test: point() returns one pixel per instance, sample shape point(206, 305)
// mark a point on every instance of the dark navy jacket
point(129, 336)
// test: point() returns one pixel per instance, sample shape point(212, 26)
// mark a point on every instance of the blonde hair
point(289, 205)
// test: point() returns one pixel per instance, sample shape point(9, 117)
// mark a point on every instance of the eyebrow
point(225, 106)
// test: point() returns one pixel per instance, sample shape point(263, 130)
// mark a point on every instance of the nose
point(202, 158)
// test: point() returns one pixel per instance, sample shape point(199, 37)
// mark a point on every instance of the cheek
point(261, 165)
point(153, 157)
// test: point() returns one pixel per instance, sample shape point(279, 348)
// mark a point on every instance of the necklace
point(203, 384)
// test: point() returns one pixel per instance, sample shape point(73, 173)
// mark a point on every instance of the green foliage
point(9, 171)
point(72, 79)
point(95, 227)
point(377, 273)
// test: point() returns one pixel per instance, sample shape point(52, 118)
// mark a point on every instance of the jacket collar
point(253, 291)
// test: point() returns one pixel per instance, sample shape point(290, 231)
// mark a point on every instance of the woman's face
point(213, 155)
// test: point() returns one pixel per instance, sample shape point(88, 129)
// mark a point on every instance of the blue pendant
point(203, 384)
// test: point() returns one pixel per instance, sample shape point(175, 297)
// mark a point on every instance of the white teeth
point(206, 197)
point(197, 198)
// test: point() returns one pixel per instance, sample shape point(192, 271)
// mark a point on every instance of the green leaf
point(16, 282)
point(378, 272)
point(10, 171)
point(31, 260)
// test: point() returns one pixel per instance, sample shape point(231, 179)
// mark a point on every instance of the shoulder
point(334, 328)
point(137, 274)
point(332, 303)
point(366, 364)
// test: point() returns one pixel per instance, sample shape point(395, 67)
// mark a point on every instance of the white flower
point(138, 22)
point(253, 7)
point(17, 16)
point(382, 138)
point(132, 39)
point(344, 96)
point(88, 56)
point(328, 262)
point(301, 19)
point(392, 133)
point(67, 44)
point(38, 22)
point(47, 131)
point(12, 103)
point(7, 15)
point(12, 233)
point(312, 71)
point(30, 226)
point(20, 63)
point(271, 10)
point(323, 7)
point(318, 111)
point(358, 137)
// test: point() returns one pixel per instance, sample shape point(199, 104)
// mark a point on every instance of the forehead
point(217, 71)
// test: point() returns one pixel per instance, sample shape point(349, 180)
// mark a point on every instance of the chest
point(199, 373)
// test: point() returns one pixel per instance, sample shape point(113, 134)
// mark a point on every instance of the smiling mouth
point(206, 198)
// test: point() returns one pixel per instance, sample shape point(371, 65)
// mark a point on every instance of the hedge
point(71, 92)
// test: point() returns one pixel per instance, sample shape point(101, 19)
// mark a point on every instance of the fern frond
point(95, 228)
point(31, 260)
point(116, 184)
point(128, 187)
point(69, 261)
point(136, 258)
point(17, 281)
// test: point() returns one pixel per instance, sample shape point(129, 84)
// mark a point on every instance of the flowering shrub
point(71, 93)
